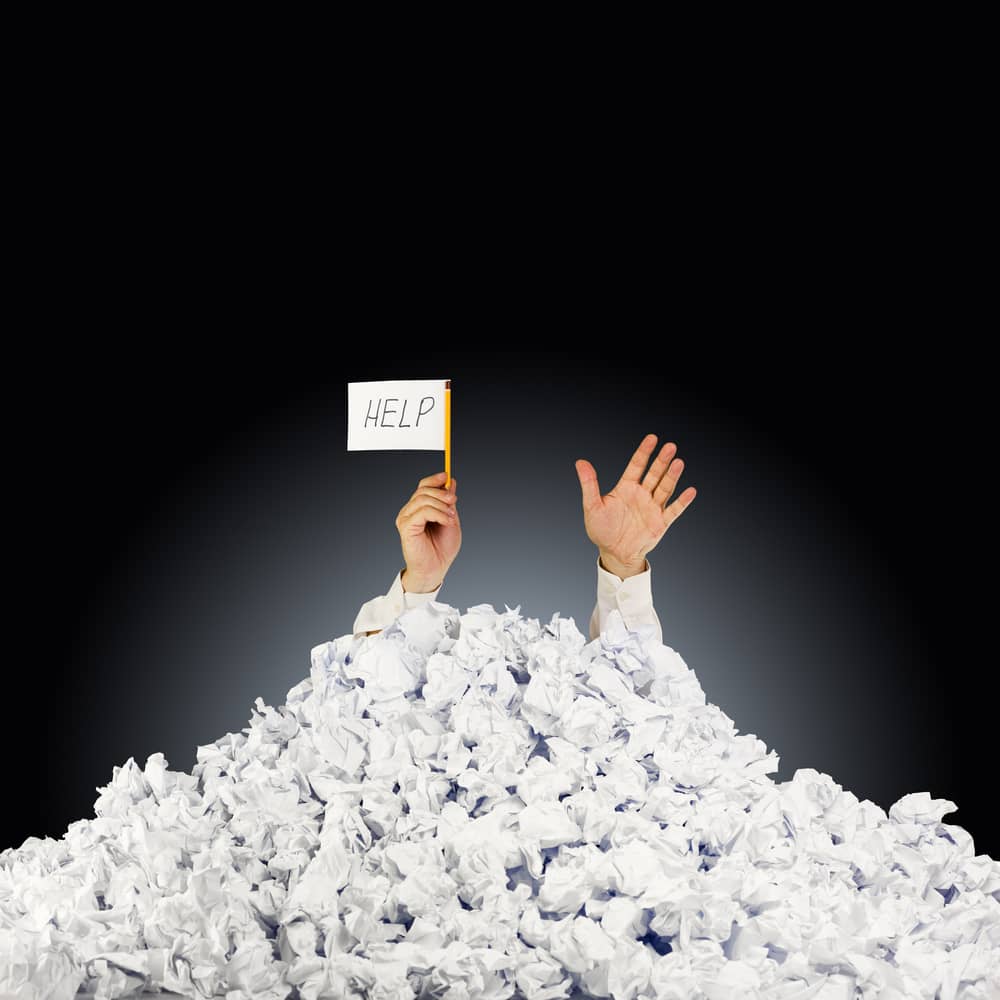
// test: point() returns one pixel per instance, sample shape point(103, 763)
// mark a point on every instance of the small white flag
point(407, 414)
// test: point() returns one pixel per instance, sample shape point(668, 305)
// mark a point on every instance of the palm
point(626, 520)
point(629, 522)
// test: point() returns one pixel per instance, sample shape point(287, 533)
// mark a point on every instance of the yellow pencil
point(447, 434)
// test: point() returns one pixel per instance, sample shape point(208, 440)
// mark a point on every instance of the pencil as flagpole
point(447, 434)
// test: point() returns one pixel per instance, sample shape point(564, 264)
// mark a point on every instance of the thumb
point(588, 483)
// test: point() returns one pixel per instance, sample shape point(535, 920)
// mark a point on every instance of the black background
point(187, 523)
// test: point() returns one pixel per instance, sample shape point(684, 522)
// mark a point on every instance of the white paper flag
point(407, 414)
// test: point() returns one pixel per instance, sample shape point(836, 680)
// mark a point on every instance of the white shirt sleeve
point(633, 597)
point(381, 611)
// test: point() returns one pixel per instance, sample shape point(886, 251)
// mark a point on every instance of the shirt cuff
point(382, 611)
point(632, 596)
point(411, 600)
point(610, 583)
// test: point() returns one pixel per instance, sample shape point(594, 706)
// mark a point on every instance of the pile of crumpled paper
point(482, 806)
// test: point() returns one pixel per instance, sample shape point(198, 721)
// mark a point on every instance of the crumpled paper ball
point(482, 806)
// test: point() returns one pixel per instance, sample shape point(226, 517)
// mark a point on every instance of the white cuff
point(411, 600)
point(382, 611)
point(633, 597)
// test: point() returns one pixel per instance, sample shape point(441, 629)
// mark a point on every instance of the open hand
point(629, 522)
point(430, 534)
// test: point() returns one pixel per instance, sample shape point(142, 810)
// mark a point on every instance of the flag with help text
point(407, 414)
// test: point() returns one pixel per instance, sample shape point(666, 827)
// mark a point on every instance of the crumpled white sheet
point(481, 806)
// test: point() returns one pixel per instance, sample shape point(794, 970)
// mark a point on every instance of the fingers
point(587, 475)
point(420, 501)
point(422, 515)
point(426, 510)
point(665, 488)
point(429, 502)
point(656, 470)
point(680, 505)
point(637, 464)
point(432, 491)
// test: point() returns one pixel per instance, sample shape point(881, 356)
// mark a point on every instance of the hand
point(629, 521)
point(430, 533)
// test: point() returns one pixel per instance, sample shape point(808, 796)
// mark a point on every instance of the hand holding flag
point(430, 533)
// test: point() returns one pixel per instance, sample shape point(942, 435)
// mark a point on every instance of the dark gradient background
point(194, 528)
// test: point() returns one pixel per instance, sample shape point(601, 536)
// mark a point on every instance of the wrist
point(622, 568)
point(413, 584)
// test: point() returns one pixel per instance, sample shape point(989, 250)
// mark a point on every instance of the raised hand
point(629, 522)
point(430, 534)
